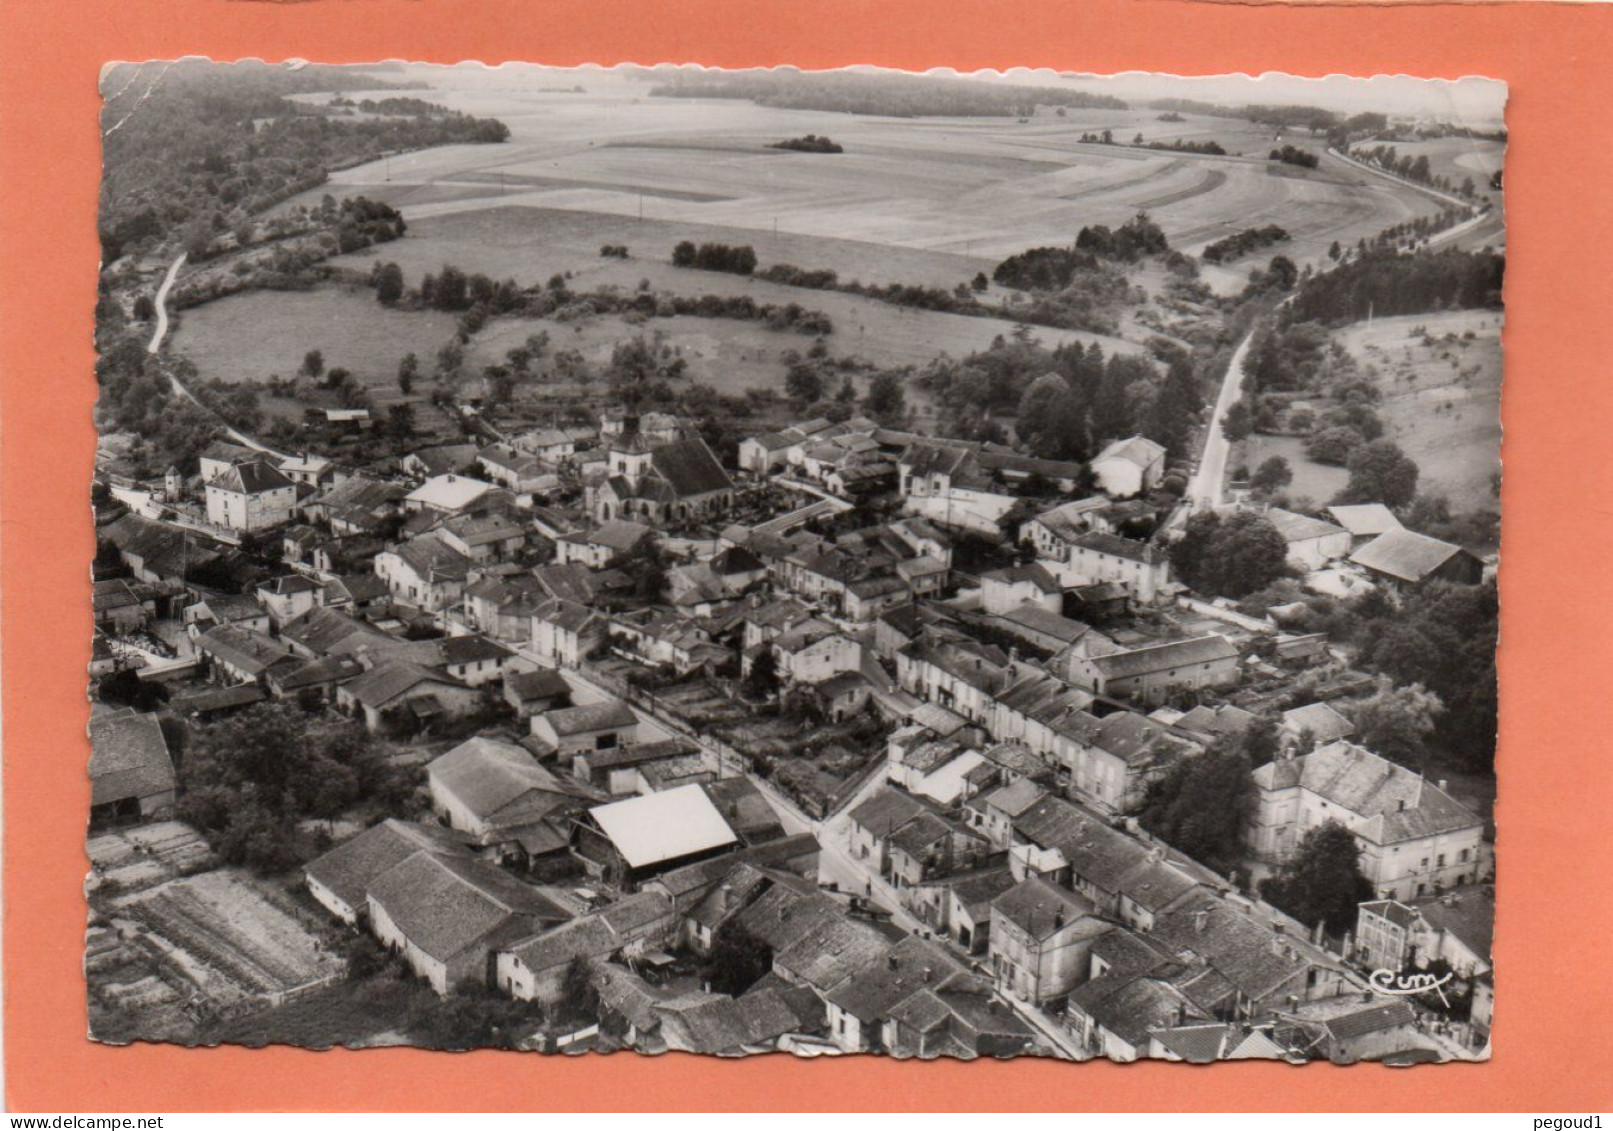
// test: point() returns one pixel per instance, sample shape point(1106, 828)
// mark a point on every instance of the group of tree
point(885, 95)
point(639, 365)
point(1294, 155)
point(250, 779)
point(1200, 805)
point(810, 143)
point(1136, 239)
point(1397, 721)
point(1443, 637)
point(737, 259)
point(1228, 248)
point(138, 397)
point(1229, 555)
point(738, 959)
point(1069, 401)
point(1380, 473)
point(1323, 884)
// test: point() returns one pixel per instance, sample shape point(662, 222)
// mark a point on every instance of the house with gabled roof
point(250, 496)
point(1404, 557)
point(1096, 557)
point(1364, 521)
point(1154, 672)
point(1204, 1042)
point(447, 916)
point(221, 455)
point(860, 1007)
point(289, 596)
point(453, 494)
point(358, 505)
point(131, 770)
point(565, 631)
point(401, 695)
point(340, 879)
point(1321, 722)
point(1312, 542)
point(1456, 927)
point(325, 631)
point(1129, 467)
point(1052, 531)
point(1041, 936)
point(425, 572)
point(1115, 1017)
point(498, 795)
point(239, 655)
point(605, 544)
point(534, 967)
point(533, 692)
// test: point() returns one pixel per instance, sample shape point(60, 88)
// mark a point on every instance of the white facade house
point(251, 496)
point(1415, 839)
point(1129, 467)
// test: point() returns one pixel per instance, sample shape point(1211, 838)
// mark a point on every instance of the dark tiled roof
point(689, 468)
point(128, 758)
point(349, 868)
point(1164, 656)
point(252, 477)
point(391, 678)
point(1405, 554)
point(446, 904)
point(1373, 1019)
point(1042, 909)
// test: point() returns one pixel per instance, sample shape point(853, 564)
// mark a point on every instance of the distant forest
point(897, 96)
point(201, 144)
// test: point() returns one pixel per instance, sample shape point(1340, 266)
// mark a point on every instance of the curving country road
point(160, 332)
point(1204, 489)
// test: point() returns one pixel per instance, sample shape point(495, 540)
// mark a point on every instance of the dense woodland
point(1385, 283)
point(194, 145)
point(887, 95)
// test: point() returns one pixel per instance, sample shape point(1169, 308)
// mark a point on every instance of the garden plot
point(140, 857)
point(232, 935)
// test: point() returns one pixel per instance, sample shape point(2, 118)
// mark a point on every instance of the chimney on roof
point(1058, 919)
point(1442, 785)
point(891, 961)
point(1200, 918)
point(1400, 805)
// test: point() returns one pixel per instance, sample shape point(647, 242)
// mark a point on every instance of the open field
point(258, 334)
point(1442, 396)
point(1441, 404)
point(975, 187)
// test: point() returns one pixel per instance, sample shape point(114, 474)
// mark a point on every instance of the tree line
point(898, 96)
point(1239, 244)
point(737, 259)
point(1383, 283)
